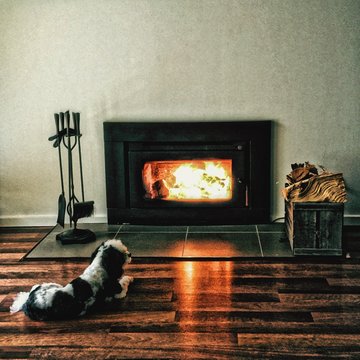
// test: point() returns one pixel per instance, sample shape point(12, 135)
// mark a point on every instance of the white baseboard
point(43, 220)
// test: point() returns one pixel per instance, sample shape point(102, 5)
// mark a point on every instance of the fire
point(192, 182)
point(188, 180)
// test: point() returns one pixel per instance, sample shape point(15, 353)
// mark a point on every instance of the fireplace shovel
point(84, 208)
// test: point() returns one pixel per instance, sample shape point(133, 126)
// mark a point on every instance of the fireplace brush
point(70, 138)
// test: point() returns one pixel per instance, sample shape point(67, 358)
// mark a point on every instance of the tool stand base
point(76, 236)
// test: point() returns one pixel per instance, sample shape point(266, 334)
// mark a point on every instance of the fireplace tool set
point(69, 137)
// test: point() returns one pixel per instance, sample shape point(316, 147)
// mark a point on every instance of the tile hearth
point(228, 241)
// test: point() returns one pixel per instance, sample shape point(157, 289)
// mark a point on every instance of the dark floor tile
point(222, 228)
point(351, 237)
point(52, 248)
point(222, 245)
point(153, 244)
point(275, 244)
point(352, 221)
point(276, 227)
point(153, 228)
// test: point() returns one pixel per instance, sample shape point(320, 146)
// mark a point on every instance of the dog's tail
point(19, 302)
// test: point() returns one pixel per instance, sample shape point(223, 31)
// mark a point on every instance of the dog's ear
point(112, 261)
point(94, 253)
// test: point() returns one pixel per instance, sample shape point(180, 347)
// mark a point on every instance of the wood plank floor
point(263, 309)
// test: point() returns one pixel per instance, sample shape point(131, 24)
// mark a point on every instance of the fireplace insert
point(188, 172)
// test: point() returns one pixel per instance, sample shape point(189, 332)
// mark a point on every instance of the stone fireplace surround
point(221, 242)
point(128, 145)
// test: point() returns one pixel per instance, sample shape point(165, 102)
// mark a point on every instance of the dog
point(101, 282)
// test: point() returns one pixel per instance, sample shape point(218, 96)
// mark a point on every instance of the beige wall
point(296, 62)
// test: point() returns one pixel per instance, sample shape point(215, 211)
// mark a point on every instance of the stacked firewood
point(306, 184)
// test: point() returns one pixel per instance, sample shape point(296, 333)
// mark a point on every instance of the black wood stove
point(169, 173)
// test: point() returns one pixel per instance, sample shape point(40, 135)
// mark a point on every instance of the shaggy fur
point(99, 283)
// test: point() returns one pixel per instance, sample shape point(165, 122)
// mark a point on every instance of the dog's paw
point(125, 281)
point(120, 295)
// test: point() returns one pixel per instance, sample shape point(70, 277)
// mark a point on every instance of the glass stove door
point(178, 179)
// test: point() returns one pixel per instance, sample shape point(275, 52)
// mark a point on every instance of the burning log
point(156, 179)
point(305, 184)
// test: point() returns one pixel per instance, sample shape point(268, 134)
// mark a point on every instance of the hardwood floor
point(262, 309)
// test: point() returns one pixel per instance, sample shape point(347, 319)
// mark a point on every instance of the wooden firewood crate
point(314, 228)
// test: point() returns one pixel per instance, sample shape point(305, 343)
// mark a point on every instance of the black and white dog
point(102, 281)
